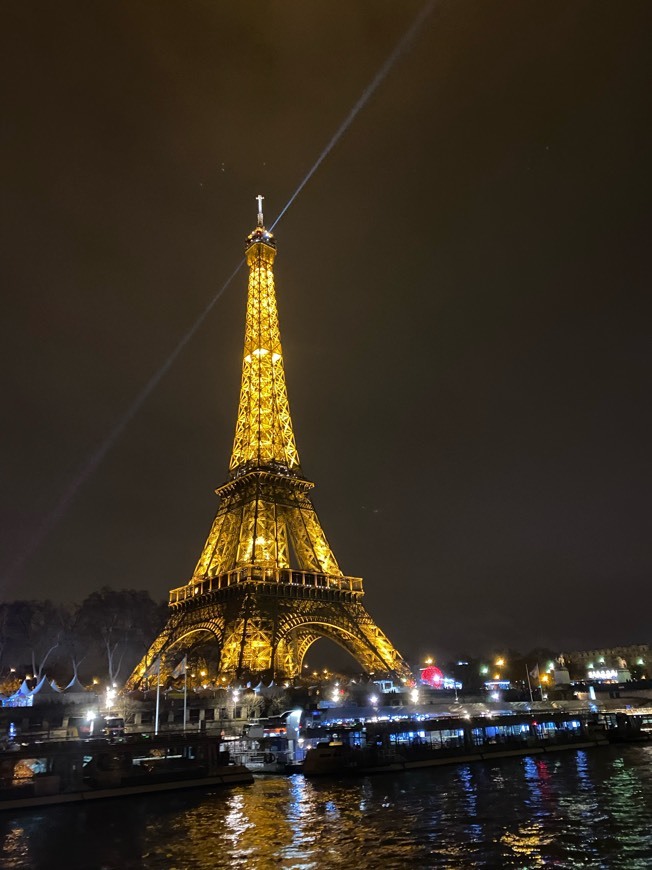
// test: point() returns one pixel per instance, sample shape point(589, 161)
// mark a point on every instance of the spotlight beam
point(95, 459)
point(368, 92)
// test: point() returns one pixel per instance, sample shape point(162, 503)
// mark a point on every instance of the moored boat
point(271, 745)
point(56, 772)
point(628, 727)
point(396, 746)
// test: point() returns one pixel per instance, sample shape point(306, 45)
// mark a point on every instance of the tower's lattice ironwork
point(267, 584)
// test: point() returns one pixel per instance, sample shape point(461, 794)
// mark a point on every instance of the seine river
point(577, 809)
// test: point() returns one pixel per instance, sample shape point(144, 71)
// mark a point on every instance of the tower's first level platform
point(256, 574)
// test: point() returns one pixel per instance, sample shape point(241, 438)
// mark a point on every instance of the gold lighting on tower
point(263, 432)
point(267, 584)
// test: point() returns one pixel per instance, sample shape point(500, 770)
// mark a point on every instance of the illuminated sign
point(432, 676)
point(603, 674)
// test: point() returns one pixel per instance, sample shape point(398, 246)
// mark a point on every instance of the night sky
point(463, 291)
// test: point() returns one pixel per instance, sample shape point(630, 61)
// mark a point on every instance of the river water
point(574, 809)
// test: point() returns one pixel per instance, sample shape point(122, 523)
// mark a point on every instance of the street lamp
point(110, 697)
point(545, 679)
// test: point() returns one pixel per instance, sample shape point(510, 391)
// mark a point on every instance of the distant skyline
point(463, 296)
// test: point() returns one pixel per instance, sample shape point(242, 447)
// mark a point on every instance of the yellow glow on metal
point(265, 514)
point(267, 585)
point(263, 432)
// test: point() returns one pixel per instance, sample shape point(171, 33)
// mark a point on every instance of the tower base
point(263, 621)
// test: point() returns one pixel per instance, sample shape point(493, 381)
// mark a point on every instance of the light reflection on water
point(576, 809)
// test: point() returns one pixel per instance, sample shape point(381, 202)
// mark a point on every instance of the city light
point(609, 675)
point(90, 717)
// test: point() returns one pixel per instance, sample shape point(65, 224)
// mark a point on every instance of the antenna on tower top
point(260, 209)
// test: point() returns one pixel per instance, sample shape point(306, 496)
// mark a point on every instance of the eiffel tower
point(267, 584)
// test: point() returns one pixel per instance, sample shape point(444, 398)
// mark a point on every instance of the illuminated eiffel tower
point(267, 584)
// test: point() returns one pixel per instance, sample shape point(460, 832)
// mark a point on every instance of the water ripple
point(578, 810)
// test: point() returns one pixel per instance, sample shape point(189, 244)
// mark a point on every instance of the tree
point(75, 639)
point(35, 630)
point(4, 631)
point(123, 623)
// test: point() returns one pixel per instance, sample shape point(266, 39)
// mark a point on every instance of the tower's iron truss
point(267, 584)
